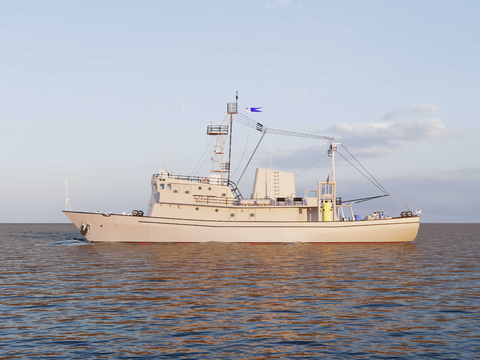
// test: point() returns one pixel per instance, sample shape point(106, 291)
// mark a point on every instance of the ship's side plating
point(201, 209)
point(125, 228)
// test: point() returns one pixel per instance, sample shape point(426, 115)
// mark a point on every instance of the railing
point(217, 129)
point(199, 179)
point(232, 108)
point(213, 200)
point(204, 180)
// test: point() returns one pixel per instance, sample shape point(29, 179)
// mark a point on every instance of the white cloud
point(430, 128)
point(374, 138)
point(413, 111)
point(400, 128)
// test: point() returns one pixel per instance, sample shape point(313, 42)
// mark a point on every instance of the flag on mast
point(254, 109)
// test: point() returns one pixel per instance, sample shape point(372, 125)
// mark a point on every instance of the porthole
point(175, 191)
point(232, 215)
point(223, 194)
point(216, 210)
point(252, 215)
point(209, 188)
point(187, 192)
point(199, 188)
point(196, 208)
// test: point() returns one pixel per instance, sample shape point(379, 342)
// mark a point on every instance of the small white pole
point(160, 150)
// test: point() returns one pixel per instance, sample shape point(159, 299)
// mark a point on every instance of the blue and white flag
point(419, 211)
point(256, 109)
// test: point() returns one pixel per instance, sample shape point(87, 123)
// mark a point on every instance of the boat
point(195, 209)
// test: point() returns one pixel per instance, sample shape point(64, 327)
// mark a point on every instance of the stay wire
point(364, 199)
point(201, 165)
point(381, 189)
point(244, 151)
point(386, 192)
point(245, 120)
point(251, 157)
point(201, 157)
point(311, 165)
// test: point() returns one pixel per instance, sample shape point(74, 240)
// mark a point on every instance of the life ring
point(204, 180)
point(200, 198)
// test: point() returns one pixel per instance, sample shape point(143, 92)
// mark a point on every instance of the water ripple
point(61, 297)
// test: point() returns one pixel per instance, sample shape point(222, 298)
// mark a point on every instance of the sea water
point(64, 298)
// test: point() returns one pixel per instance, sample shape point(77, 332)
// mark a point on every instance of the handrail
point(204, 180)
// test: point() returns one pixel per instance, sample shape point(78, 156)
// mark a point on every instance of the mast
point(331, 153)
point(231, 131)
point(332, 188)
point(220, 168)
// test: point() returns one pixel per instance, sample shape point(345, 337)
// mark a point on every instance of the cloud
point(413, 111)
point(296, 159)
point(399, 128)
point(435, 191)
point(369, 139)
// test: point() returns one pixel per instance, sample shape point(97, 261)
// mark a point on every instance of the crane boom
point(245, 120)
point(296, 134)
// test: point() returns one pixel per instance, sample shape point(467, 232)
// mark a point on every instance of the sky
point(107, 93)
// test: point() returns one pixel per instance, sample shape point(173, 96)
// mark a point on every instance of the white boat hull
point(125, 228)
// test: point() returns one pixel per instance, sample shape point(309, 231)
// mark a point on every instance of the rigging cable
point(321, 157)
point(365, 199)
point(244, 151)
point(245, 120)
point(263, 134)
point(381, 188)
point(365, 170)
point(246, 143)
point(201, 157)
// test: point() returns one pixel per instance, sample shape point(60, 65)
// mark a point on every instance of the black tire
point(140, 213)
point(403, 214)
point(409, 214)
point(135, 212)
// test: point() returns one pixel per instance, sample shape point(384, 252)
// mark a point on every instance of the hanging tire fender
point(85, 229)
